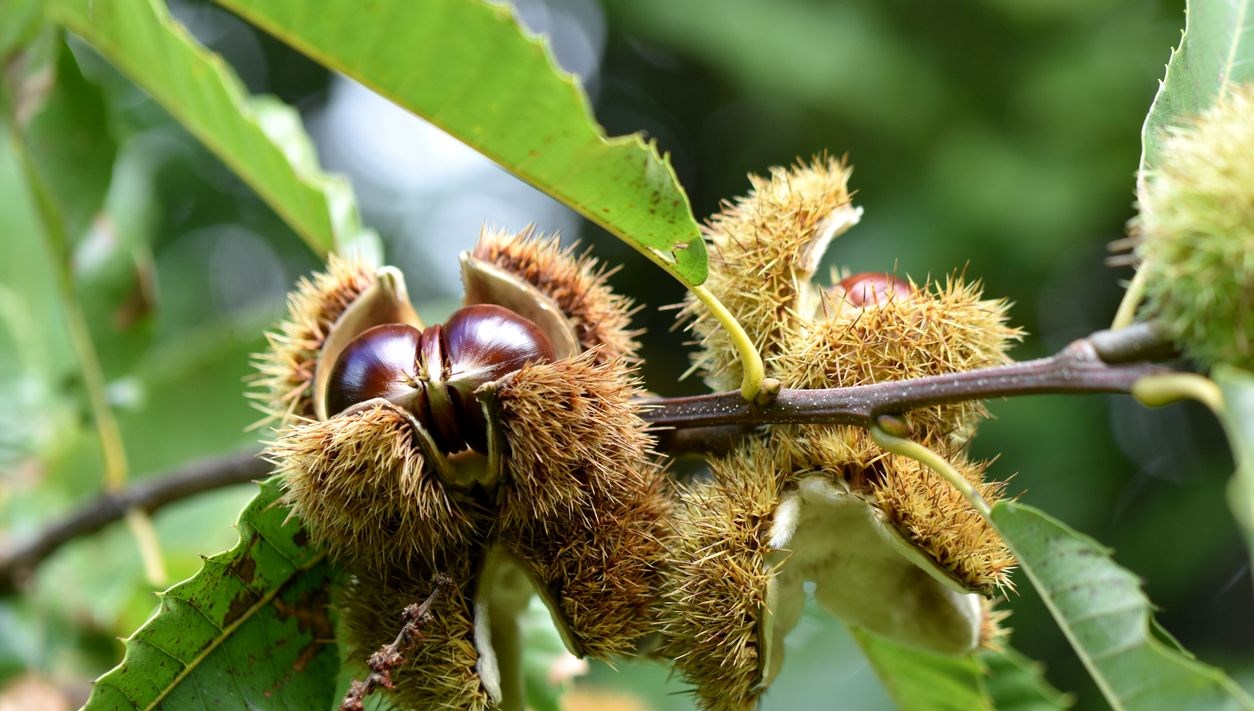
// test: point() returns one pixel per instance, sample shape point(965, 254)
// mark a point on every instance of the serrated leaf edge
point(247, 533)
point(1147, 638)
point(670, 261)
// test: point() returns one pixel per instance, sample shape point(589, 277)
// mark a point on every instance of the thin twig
point(1099, 363)
point(18, 562)
point(385, 659)
point(112, 448)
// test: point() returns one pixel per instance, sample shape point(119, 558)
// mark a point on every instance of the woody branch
point(1106, 361)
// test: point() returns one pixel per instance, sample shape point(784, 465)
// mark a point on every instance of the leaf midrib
point(226, 631)
point(1146, 640)
point(554, 189)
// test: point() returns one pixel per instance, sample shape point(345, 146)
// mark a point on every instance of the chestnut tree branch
point(1106, 361)
point(19, 561)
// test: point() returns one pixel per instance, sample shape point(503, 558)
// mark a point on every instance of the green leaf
point(916, 679)
point(20, 22)
point(1102, 610)
point(252, 629)
point(924, 681)
point(71, 146)
point(1238, 419)
point(35, 354)
point(467, 67)
point(1216, 51)
point(259, 139)
point(1017, 683)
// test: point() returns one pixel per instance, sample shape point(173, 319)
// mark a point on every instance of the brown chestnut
point(381, 362)
point(870, 288)
point(434, 373)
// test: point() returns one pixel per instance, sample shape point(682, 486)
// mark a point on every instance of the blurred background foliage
point(994, 137)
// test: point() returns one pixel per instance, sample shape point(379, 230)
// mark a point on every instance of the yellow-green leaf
point(469, 68)
point(260, 140)
point(924, 681)
point(1216, 51)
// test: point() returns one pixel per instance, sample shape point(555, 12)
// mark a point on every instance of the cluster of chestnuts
point(433, 373)
point(888, 546)
point(502, 449)
point(506, 449)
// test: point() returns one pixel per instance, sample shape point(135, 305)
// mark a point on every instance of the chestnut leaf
point(1216, 52)
point(1104, 613)
point(1017, 683)
point(260, 139)
point(252, 629)
point(918, 680)
point(497, 89)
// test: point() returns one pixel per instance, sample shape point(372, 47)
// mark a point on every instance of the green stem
point(1165, 388)
point(1131, 301)
point(752, 369)
point(933, 461)
point(755, 387)
point(111, 445)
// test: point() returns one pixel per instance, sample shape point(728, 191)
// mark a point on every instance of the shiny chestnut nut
point(434, 373)
point(876, 288)
point(381, 362)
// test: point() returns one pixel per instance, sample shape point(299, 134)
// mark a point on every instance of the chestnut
point(433, 373)
point(876, 288)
